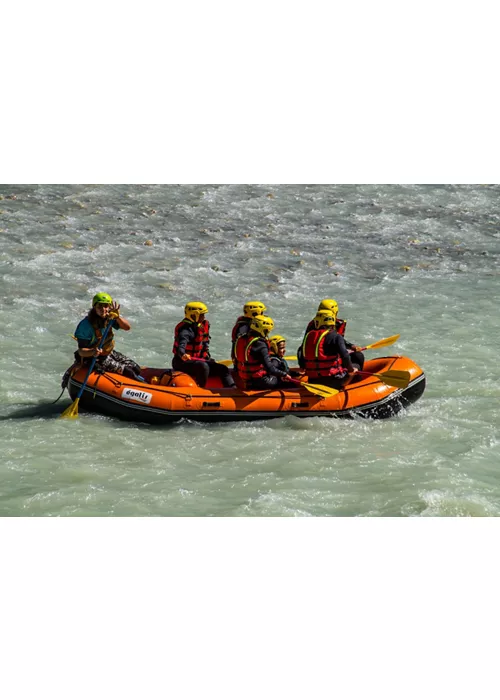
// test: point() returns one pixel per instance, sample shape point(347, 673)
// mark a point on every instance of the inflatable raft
point(169, 396)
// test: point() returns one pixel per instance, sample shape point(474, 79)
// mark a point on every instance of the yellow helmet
point(263, 325)
point(329, 305)
point(254, 308)
point(194, 309)
point(274, 341)
point(324, 318)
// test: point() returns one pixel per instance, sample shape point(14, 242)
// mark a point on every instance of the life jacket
point(240, 321)
point(340, 325)
point(199, 346)
point(248, 368)
point(316, 363)
point(109, 343)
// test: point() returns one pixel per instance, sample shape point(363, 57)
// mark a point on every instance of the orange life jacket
point(248, 367)
point(199, 346)
point(316, 363)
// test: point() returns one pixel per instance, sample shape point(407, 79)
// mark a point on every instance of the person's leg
point(223, 372)
point(333, 382)
point(267, 382)
point(358, 359)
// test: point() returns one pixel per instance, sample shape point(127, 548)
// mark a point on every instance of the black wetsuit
point(200, 370)
point(260, 353)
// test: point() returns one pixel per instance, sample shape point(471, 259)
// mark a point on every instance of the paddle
point(319, 389)
point(72, 411)
point(393, 377)
point(382, 343)
point(379, 344)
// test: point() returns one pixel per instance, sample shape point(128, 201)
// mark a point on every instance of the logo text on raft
point(136, 395)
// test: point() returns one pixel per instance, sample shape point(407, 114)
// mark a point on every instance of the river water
point(419, 260)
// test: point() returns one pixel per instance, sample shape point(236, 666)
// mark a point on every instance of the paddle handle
point(91, 367)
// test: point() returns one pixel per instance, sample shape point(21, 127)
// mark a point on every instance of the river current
point(419, 260)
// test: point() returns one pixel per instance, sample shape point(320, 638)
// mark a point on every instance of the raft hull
point(114, 395)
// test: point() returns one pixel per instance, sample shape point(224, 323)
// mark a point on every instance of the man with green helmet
point(90, 330)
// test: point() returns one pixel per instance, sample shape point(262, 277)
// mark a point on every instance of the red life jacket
point(248, 367)
point(199, 346)
point(316, 363)
point(340, 325)
point(240, 321)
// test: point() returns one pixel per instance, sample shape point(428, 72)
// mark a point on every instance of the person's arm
point(119, 321)
point(84, 351)
point(84, 335)
point(344, 353)
point(185, 335)
point(261, 354)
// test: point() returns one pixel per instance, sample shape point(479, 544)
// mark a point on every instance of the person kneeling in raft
point(191, 347)
point(90, 331)
point(325, 357)
point(252, 355)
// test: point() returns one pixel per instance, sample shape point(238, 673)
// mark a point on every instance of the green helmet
point(101, 298)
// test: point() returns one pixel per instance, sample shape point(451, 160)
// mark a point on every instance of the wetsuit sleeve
point(185, 336)
point(335, 345)
point(343, 352)
point(261, 354)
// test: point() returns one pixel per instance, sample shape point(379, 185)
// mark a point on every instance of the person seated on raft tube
point(191, 347)
point(89, 333)
point(277, 346)
point(252, 355)
point(326, 359)
point(250, 310)
point(357, 356)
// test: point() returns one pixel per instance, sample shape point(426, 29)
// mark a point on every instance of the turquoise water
point(421, 261)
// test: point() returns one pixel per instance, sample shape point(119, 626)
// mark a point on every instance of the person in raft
point(277, 345)
point(250, 310)
point(191, 347)
point(252, 355)
point(89, 332)
point(325, 357)
point(357, 357)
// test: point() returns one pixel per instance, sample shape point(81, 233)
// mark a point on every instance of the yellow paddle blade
point(320, 390)
point(399, 378)
point(384, 342)
point(395, 377)
point(71, 411)
point(290, 358)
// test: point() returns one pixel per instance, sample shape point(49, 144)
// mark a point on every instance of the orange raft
point(177, 397)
